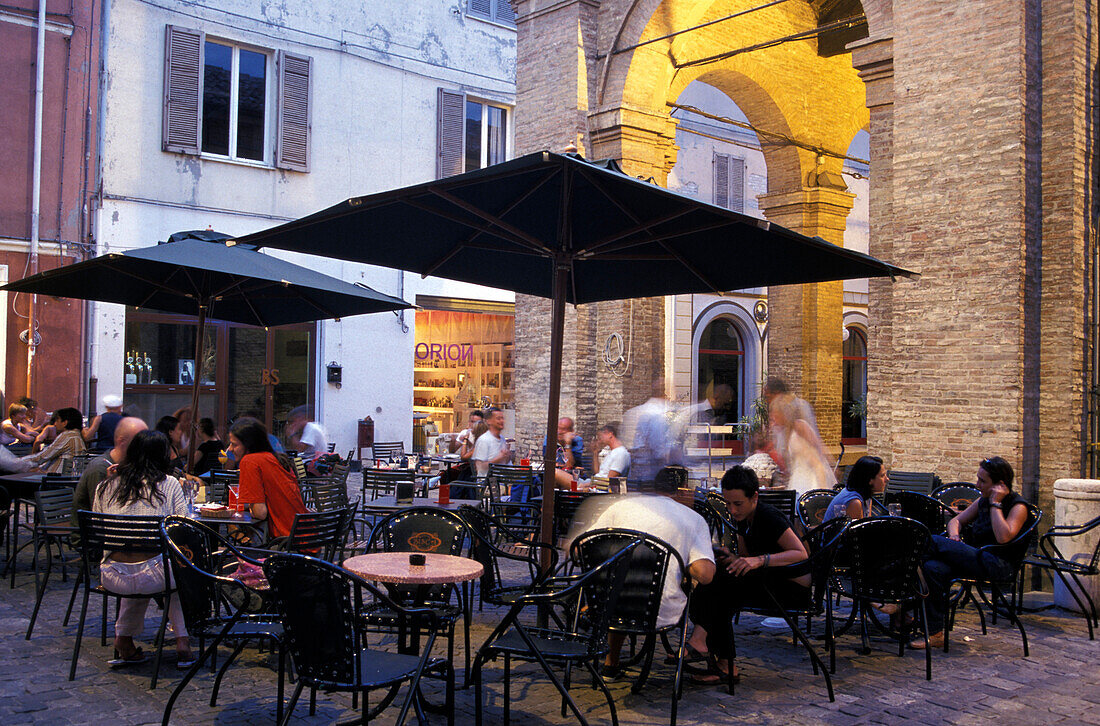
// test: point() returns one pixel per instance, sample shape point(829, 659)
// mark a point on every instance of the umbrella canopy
point(208, 274)
point(619, 237)
point(234, 282)
point(561, 227)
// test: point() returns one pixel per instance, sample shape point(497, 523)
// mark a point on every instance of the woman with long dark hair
point(141, 486)
point(867, 478)
point(172, 429)
point(267, 481)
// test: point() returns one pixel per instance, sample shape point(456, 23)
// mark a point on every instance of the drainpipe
point(36, 179)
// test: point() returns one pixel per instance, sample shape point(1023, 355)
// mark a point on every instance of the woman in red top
point(267, 482)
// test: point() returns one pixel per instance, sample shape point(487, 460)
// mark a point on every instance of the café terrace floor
point(983, 678)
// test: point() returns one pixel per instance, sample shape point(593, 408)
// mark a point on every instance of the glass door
point(291, 372)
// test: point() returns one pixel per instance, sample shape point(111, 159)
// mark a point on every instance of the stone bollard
point(1076, 501)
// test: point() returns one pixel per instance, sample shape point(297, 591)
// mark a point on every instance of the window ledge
point(488, 21)
point(236, 162)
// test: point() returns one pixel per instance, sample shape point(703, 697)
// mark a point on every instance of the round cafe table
point(394, 568)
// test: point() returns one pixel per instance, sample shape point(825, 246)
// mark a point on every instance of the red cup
point(573, 485)
point(445, 493)
point(525, 462)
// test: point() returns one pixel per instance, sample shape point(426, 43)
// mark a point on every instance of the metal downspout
point(36, 181)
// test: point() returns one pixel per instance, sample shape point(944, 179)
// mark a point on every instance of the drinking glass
point(894, 509)
point(235, 492)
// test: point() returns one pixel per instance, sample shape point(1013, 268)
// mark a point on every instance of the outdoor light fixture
point(335, 373)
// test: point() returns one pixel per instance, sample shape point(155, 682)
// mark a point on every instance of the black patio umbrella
point(209, 274)
point(560, 227)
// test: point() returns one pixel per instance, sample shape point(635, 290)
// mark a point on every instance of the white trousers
point(132, 578)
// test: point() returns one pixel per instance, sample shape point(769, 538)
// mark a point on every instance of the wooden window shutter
point(722, 180)
point(449, 132)
point(292, 121)
point(737, 184)
point(504, 13)
point(182, 90)
point(480, 8)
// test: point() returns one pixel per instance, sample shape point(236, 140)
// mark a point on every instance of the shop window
point(721, 358)
point(164, 354)
point(853, 423)
point(472, 134)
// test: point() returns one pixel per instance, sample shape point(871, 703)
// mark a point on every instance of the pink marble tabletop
point(394, 567)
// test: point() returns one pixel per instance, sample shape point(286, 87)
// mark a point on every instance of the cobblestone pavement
point(982, 678)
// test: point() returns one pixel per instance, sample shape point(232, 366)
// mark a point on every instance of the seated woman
point(141, 486)
point(14, 429)
point(206, 454)
point(69, 443)
point(867, 478)
point(764, 539)
point(995, 518)
point(172, 429)
point(267, 481)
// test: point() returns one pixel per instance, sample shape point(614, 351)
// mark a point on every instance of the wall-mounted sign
point(269, 377)
point(460, 352)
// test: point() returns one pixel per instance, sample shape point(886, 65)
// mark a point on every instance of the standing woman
point(996, 517)
point(267, 482)
point(68, 444)
point(173, 431)
point(141, 486)
point(800, 445)
point(867, 478)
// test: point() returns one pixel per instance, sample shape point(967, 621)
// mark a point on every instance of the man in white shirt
point(490, 447)
point(615, 464)
point(678, 526)
point(303, 434)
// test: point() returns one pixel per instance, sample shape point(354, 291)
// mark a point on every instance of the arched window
point(721, 362)
point(853, 428)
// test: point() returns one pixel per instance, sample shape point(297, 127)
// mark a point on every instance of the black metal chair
point(1049, 557)
point(300, 470)
point(637, 609)
point(101, 533)
point(315, 533)
point(324, 495)
point(785, 500)
point(816, 601)
point(5, 517)
point(813, 507)
point(972, 589)
point(218, 605)
point(504, 478)
point(884, 555)
point(566, 505)
point(52, 529)
point(217, 491)
point(721, 534)
point(922, 482)
point(322, 607)
point(387, 450)
point(424, 529)
point(494, 542)
point(383, 482)
point(932, 513)
point(958, 495)
point(27, 507)
point(594, 592)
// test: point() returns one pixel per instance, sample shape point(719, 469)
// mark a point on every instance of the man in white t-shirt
point(490, 447)
point(615, 464)
point(303, 434)
point(680, 527)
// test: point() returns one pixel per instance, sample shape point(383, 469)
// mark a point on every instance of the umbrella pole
point(549, 459)
point(193, 429)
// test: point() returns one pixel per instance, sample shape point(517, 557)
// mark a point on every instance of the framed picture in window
point(186, 371)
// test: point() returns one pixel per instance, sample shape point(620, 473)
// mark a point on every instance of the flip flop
point(138, 656)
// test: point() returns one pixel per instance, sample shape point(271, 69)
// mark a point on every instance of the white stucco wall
point(377, 67)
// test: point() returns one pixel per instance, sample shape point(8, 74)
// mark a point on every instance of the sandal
point(714, 677)
point(138, 656)
point(185, 661)
point(691, 655)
